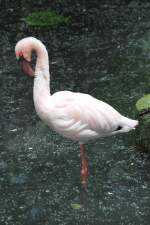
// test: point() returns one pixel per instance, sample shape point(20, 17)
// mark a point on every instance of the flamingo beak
point(26, 66)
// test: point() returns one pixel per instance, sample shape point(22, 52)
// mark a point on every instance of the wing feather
point(79, 114)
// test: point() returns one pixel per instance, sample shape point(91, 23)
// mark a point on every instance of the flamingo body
point(76, 116)
point(81, 117)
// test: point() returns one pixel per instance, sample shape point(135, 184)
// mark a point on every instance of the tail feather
point(128, 124)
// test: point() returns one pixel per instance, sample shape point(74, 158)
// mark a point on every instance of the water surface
point(104, 53)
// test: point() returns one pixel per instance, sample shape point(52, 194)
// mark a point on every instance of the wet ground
point(104, 52)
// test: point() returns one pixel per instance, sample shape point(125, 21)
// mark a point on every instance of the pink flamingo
point(76, 116)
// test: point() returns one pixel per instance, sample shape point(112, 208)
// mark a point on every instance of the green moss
point(45, 18)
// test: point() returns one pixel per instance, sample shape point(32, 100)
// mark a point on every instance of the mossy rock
point(45, 18)
point(143, 131)
point(142, 136)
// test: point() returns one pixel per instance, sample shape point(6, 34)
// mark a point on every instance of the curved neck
point(41, 89)
point(42, 63)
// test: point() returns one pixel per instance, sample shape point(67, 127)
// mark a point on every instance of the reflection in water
point(39, 182)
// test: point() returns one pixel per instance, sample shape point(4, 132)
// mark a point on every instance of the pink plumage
point(76, 116)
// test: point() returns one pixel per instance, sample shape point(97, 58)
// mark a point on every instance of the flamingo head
point(23, 52)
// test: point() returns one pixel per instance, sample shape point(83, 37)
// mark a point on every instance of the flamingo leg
point(84, 165)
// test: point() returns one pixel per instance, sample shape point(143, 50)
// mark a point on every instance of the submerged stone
point(35, 215)
point(19, 179)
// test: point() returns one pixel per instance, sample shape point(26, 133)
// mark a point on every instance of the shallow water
point(105, 52)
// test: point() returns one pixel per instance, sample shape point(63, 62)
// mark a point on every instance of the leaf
point(143, 103)
point(76, 206)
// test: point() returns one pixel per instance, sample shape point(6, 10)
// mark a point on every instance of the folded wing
point(82, 117)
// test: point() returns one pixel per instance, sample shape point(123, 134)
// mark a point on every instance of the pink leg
point(84, 165)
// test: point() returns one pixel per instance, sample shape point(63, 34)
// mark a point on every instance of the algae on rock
point(143, 106)
point(45, 18)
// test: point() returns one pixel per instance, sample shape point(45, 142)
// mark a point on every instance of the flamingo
point(77, 116)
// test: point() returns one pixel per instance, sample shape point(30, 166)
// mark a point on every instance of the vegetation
point(143, 103)
point(143, 106)
point(45, 18)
